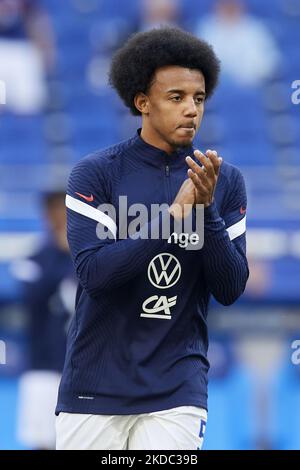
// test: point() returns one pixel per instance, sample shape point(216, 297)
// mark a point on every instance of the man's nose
point(191, 108)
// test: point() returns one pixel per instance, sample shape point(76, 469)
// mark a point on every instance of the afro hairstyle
point(134, 65)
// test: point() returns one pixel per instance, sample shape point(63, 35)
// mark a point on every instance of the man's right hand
point(184, 201)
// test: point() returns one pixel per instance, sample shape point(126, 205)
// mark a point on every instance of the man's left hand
point(204, 177)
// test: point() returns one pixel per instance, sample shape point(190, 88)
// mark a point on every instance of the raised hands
point(200, 186)
point(204, 177)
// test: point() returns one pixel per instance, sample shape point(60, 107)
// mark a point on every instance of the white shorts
point(180, 428)
point(36, 413)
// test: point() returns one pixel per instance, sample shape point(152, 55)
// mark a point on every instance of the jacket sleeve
point(103, 262)
point(224, 251)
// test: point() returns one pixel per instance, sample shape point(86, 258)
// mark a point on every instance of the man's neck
point(153, 139)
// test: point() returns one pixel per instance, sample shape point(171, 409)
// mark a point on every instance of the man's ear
point(141, 102)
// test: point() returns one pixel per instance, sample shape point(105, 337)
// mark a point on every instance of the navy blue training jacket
point(138, 341)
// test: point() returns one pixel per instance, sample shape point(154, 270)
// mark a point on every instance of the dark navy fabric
point(48, 316)
point(12, 21)
point(119, 362)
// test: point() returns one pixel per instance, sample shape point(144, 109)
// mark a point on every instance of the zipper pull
point(167, 170)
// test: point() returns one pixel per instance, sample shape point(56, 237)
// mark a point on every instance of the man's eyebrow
point(177, 90)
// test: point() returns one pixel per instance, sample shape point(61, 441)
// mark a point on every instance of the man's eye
point(199, 100)
point(175, 98)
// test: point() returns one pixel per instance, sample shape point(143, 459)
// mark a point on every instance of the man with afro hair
point(135, 374)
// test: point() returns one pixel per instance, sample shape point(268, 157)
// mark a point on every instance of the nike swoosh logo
point(242, 211)
point(87, 198)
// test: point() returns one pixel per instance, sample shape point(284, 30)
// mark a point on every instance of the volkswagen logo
point(164, 271)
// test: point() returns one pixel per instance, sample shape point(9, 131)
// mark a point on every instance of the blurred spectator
point(260, 278)
point(27, 54)
point(109, 35)
point(49, 297)
point(243, 43)
point(156, 13)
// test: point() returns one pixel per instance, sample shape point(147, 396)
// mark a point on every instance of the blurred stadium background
point(254, 392)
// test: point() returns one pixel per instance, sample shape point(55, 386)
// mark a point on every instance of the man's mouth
point(188, 126)
point(188, 129)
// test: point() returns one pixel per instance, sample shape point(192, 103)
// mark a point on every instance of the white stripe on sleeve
point(237, 229)
point(88, 211)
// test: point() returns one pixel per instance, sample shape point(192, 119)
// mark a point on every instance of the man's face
point(175, 106)
point(56, 215)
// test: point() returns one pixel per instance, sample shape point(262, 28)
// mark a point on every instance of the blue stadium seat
point(11, 123)
point(230, 403)
point(8, 411)
point(192, 10)
point(115, 8)
point(21, 224)
point(251, 153)
point(231, 96)
point(101, 138)
point(264, 9)
point(285, 404)
point(25, 152)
